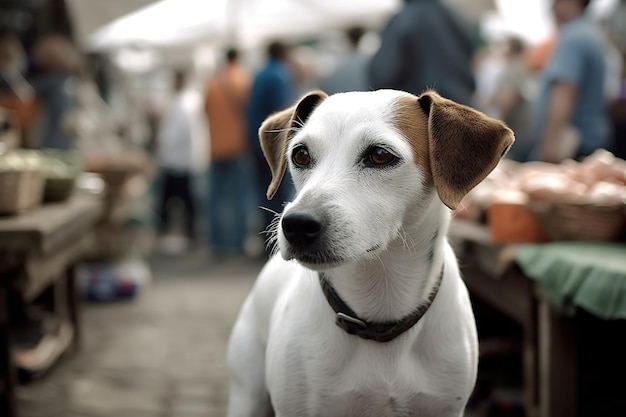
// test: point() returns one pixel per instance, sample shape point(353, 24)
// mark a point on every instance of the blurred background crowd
point(190, 83)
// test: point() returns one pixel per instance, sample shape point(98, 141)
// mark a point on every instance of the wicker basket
point(588, 222)
point(9, 131)
point(20, 190)
point(9, 140)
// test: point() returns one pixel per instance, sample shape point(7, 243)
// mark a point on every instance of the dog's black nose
point(301, 228)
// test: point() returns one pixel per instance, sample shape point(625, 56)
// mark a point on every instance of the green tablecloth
point(588, 275)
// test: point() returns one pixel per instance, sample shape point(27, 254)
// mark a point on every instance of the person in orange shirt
point(226, 99)
point(537, 56)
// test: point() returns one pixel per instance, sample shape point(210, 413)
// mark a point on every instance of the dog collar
point(382, 332)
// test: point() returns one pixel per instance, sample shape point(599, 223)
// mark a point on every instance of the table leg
point(530, 369)
point(8, 373)
point(557, 363)
point(514, 296)
point(73, 304)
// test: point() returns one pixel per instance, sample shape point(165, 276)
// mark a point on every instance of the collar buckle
point(342, 316)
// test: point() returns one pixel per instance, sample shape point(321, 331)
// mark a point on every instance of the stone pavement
point(159, 355)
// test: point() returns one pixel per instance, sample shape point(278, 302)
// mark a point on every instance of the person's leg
point(167, 191)
point(232, 213)
point(218, 187)
point(238, 201)
point(189, 206)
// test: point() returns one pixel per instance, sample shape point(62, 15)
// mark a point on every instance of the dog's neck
point(400, 278)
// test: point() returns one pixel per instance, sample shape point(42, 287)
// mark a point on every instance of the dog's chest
point(368, 402)
point(365, 401)
point(342, 382)
point(316, 369)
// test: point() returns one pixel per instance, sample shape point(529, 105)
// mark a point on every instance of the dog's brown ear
point(464, 146)
point(273, 135)
point(276, 131)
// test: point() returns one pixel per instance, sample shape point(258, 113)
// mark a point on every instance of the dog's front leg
point(246, 359)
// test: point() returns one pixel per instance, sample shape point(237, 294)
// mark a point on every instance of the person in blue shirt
point(572, 87)
point(272, 91)
point(427, 44)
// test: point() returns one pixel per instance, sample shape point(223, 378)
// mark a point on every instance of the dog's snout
point(301, 228)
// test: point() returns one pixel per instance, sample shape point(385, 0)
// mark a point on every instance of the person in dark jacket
point(426, 45)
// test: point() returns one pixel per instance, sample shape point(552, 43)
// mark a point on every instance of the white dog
point(372, 318)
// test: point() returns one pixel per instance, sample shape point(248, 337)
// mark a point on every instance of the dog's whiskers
point(271, 232)
point(274, 212)
point(382, 264)
point(410, 240)
point(407, 240)
point(298, 122)
point(287, 129)
point(271, 243)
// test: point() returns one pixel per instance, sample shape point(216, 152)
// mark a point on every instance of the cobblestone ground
point(159, 355)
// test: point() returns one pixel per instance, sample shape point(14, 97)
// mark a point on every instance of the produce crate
point(9, 131)
point(61, 170)
point(20, 190)
point(9, 140)
point(588, 222)
point(59, 189)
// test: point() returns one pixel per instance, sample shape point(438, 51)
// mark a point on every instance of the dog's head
point(363, 163)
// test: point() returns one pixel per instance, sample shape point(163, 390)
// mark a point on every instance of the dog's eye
point(301, 157)
point(379, 156)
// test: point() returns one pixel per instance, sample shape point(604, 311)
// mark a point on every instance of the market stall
point(58, 209)
point(39, 307)
point(544, 246)
point(60, 201)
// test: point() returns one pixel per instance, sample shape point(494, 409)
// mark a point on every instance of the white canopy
point(249, 22)
point(252, 22)
point(89, 15)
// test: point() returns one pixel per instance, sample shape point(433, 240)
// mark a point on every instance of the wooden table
point(549, 353)
point(39, 250)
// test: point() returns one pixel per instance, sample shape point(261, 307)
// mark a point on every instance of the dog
point(363, 312)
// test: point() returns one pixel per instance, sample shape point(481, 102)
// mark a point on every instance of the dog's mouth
point(320, 260)
point(315, 260)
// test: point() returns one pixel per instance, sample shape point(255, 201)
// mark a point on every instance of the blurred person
point(303, 62)
point(12, 65)
point(272, 90)
point(618, 117)
point(489, 63)
point(616, 27)
point(16, 93)
point(351, 73)
point(426, 45)
point(538, 55)
point(614, 69)
point(512, 99)
point(55, 61)
point(571, 109)
point(175, 148)
point(225, 103)
point(617, 32)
